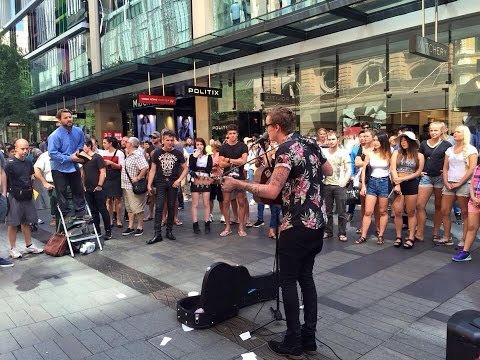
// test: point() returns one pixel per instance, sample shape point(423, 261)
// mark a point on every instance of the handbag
point(140, 187)
point(22, 194)
point(56, 245)
point(352, 194)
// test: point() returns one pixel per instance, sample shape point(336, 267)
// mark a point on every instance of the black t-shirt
point(234, 152)
point(91, 171)
point(434, 157)
point(19, 173)
point(169, 164)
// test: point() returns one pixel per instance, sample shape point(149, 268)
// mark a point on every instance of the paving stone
point(5, 322)
point(385, 318)
point(16, 303)
point(356, 335)
point(112, 311)
point(63, 326)
point(154, 323)
point(382, 353)
point(24, 336)
point(4, 308)
point(97, 316)
point(72, 347)
point(38, 313)
point(346, 342)
point(110, 335)
point(99, 356)
point(127, 330)
point(80, 321)
point(54, 309)
point(120, 353)
point(376, 323)
point(145, 350)
point(220, 350)
point(8, 342)
point(21, 318)
point(366, 329)
point(93, 342)
point(394, 313)
point(27, 353)
point(44, 331)
point(421, 342)
point(7, 356)
point(49, 350)
point(410, 351)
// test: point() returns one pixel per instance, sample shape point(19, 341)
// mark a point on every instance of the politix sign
point(203, 91)
point(156, 99)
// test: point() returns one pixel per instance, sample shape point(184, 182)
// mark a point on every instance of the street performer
point(299, 169)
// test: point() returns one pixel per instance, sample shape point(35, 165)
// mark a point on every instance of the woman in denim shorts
point(460, 162)
point(376, 187)
point(431, 180)
point(406, 167)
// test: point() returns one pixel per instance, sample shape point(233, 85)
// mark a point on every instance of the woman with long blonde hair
point(458, 166)
point(431, 181)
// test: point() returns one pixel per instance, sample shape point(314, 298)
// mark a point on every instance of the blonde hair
point(443, 128)
point(466, 141)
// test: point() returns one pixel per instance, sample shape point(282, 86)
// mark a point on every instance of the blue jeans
point(275, 214)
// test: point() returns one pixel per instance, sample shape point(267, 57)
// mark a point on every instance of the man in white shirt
point(43, 173)
point(335, 186)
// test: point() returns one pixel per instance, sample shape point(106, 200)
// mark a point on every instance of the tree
point(14, 89)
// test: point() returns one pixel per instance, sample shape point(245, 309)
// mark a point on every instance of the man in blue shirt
point(63, 145)
point(235, 13)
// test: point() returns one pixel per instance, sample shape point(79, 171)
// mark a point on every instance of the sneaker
point(40, 221)
point(138, 232)
point(267, 206)
point(181, 208)
point(53, 221)
point(222, 219)
point(252, 202)
point(108, 235)
point(211, 219)
point(5, 263)
point(258, 223)
point(458, 219)
point(32, 249)
point(462, 256)
point(15, 254)
point(128, 231)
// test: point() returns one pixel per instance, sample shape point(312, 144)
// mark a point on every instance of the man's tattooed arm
point(273, 188)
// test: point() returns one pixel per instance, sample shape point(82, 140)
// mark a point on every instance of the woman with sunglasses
point(376, 186)
point(406, 167)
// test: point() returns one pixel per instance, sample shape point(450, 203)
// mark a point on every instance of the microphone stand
point(276, 313)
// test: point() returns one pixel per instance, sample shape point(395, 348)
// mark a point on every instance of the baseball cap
point(155, 134)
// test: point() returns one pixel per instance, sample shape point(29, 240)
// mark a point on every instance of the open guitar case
point(225, 290)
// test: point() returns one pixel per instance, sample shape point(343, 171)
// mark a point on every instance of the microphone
point(263, 137)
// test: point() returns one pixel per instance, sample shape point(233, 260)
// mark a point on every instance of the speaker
point(463, 335)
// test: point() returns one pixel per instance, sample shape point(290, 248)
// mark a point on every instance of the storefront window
point(140, 28)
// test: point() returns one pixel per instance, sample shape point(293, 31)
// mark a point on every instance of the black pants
point(297, 250)
point(96, 201)
point(74, 181)
point(165, 191)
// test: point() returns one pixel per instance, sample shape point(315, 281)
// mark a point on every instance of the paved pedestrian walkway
point(375, 302)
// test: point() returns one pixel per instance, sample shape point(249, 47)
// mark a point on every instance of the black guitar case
point(225, 289)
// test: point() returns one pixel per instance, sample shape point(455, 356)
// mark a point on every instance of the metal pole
point(163, 85)
point(194, 74)
point(423, 18)
point(436, 20)
point(148, 75)
point(209, 74)
point(64, 102)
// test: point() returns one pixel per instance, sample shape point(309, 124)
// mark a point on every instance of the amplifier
point(463, 335)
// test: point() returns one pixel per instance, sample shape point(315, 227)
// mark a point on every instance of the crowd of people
point(136, 181)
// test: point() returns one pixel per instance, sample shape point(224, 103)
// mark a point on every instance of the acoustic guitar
point(263, 175)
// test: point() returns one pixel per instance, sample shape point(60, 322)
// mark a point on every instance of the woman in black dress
point(200, 165)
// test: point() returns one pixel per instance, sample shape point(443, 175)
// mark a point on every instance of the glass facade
point(376, 81)
point(135, 29)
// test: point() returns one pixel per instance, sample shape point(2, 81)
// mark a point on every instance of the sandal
point(408, 244)
point(447, 242)
point(342, 238)
point(360, 240)
point(435, 238)
point(358, 231)
point(225, 233)
point(248, 225)
point(398, 242)
point(380, 240)
point(242, 233)
point(178, 223)
point(327, 235)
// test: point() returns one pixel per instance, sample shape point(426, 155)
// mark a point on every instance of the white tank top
point(380, 167)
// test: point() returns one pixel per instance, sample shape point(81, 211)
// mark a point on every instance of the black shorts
point(216, 192)
point(410, 187)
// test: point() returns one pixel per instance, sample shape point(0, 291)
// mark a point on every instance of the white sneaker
point(32, 249)
point(15, 254)
point(222, 219)
point(211, 218)
point(267, 206)
point(252, 202)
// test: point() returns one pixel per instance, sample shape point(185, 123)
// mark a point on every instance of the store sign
point(15, 124)
point(204, 91)
point(156, 99)
point(79, 115)
point(430, 49)
point(47, 118)
point(277, 99)
point(116, 134)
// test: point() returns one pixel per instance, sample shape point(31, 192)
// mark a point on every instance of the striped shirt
point(134, 163)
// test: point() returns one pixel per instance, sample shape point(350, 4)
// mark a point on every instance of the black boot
point(156, 238)
point(170, 235)
point(196, 228)
point(285, 349)
point(309, 345)
point(207, 227)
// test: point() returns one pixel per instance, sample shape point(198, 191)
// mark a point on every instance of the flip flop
point(225, 233)
point(248, 225)
point(342, 238)
point(178, 223)
point(242, 233)
point(148, 219)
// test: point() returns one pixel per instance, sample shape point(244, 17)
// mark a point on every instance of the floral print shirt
point(302, 195)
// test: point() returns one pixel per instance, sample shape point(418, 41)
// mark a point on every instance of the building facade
point(336, 63)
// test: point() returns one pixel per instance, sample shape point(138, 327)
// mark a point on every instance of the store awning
point(285, 26)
